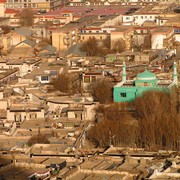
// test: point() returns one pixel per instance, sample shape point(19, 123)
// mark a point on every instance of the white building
point(139, 19)
point(162, 38)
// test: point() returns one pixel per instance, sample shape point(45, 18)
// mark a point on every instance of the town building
point(162, 37)
point(35, 4)
point(129, 90)
point(21, 34)
point(123, 34)
point(69, 34)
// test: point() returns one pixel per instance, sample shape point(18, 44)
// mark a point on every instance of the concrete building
point(21, 112)
point(68, 35)
point(162, 37)
point(21, 34)
point(80, 108)
point(8, 76)
point(25, 66)
point(2, 7)
point(35, 4)
point(124, 33)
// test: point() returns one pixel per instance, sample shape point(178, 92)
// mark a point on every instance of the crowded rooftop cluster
point(89, 89)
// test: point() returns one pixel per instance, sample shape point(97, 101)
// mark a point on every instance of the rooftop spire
point(124, 72)
point(175, 79)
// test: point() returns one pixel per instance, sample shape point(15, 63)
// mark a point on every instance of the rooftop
point(146, 75)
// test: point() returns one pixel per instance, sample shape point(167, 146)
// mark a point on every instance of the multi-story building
point(2, 7)
point(68, 35)
point(162, 37)
point(99, 33)
point(124, 33)
point(35, 4)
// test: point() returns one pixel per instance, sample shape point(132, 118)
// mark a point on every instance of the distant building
point(162, 37)
point(2, 7)
point(68, 35)
point(122, 33)
point(35, 4)
point(127, 91)
point(21, 34)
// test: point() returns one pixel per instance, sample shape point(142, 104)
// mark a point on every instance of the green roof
point(146, 74)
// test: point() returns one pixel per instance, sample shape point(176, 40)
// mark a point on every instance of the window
point(145, 84)
point(123, 94)
point(53, 73)
point(93, 78)
point(86, 79)
point(44, 78)
point(100, 37)
point(141, 17)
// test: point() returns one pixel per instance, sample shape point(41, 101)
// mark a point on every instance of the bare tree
point(6, 29)
point(155, 123)
point(1, 48)
point(118, 46)
point(27, 17)
point(116, 127)
point(39, 138)
point(93, 48)
point(142, 43)
point(158, 120)
point(67, 83)
point(44, 41)
point(101, 90)
point(147, 42)
point(90, 46)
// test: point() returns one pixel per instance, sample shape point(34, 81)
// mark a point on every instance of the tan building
point(95, 32)
point(7, 42)
point(124, 33)
point(21, 34)
point(1, 39)
point(64, 38)
point(21, 112)
point(8, 75)
point(35, 4)
point(25, 66)
point(68, 35)
point(2, 7)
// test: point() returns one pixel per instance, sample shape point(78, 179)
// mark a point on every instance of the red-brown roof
point(66, 11)
point(2, 1)
point(10, 11)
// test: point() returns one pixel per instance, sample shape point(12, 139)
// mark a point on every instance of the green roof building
point(128, 90)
